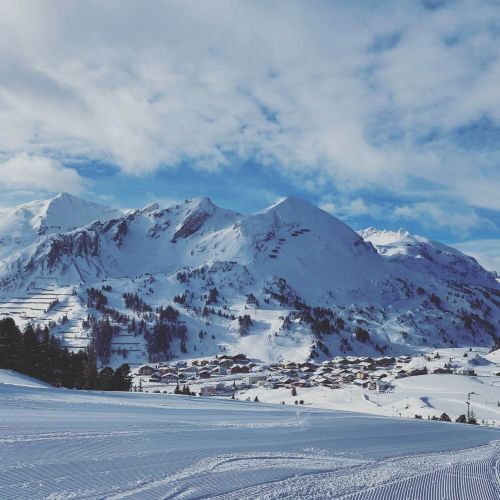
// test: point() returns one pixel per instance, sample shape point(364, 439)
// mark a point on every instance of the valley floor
point(58, 443)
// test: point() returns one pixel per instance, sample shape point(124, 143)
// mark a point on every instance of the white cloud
point(486, 252)
point(149, 84)
point(37, 173)
point(347, 208)
point(435, 215)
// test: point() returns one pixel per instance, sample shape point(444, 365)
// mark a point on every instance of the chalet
point(385, 361)
point(467, 371)
point(355, 366)
point(216, 390)
point(239, 369)
point(325, 381)
point(146, 370)
point(347, 377)
point(382, 386)
point(219, 370)
point(361, 383)
point(226, 363)
point(204, 374)
point(442, 370)
point(362, 376)
point(338, 371)
point(400, 374)
point(323, 370)
point(290, 365)
point(169, 378)
point(417, 371)
point(308, 365)
point(367, 365)
point(208, 390)
point(254, 378)
point(307, 369)
point(237, 358)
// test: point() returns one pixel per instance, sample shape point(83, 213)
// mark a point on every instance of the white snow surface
point(11, 377)
point(63, 444)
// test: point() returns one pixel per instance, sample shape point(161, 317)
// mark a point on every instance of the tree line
point(37, 353)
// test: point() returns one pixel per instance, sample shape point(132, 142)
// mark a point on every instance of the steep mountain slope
point(288, 282)
point(22, 225)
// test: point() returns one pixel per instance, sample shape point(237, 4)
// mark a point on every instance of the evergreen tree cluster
point(160, 337)
point(96, 299)
point(185, 390)
point(102, 335)
point(134, 302)
point(361, 334)
point(323, 321)
point(212, 296)
point(36, 353)
point(168, 313)
point(244, 324)
point(114, 380)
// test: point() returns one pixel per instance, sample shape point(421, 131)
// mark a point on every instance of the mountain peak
point(63, 195)
point(383, 236)
point(292, 207)
point(203, 203)
point(292, 201)
point(66, 211)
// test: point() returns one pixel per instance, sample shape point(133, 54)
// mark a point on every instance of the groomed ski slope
point(58, 443)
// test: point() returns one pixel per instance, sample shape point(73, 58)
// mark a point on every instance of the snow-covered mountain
point(309, 284)
point(432, 257)
point(23, 224)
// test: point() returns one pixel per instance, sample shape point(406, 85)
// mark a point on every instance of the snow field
point(57, 443)
point(426, 395)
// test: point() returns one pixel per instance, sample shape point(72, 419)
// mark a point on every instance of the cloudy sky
point(384, 113)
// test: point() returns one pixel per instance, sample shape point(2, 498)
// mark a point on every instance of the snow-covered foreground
point(68, 444)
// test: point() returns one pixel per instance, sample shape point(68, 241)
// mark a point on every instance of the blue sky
point(384, 113)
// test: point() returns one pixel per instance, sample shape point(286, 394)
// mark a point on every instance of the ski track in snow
point(61, 444)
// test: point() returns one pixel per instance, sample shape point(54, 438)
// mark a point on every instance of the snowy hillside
point(289, 282)
point(81, 444)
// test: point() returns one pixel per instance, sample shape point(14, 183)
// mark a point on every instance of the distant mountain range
point(310, 284)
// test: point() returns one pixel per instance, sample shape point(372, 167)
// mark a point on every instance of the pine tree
point(122, 379)
point(90, 370)
point(30, 351)
point(10, 344)
point(106, 379)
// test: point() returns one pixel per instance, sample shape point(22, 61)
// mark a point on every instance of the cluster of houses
point(184, 372)
point(368, 373)
point(374, 374)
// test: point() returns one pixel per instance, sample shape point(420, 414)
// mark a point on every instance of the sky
point(384, 113)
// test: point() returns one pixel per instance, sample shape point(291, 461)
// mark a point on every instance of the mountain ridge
point(334, 290)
